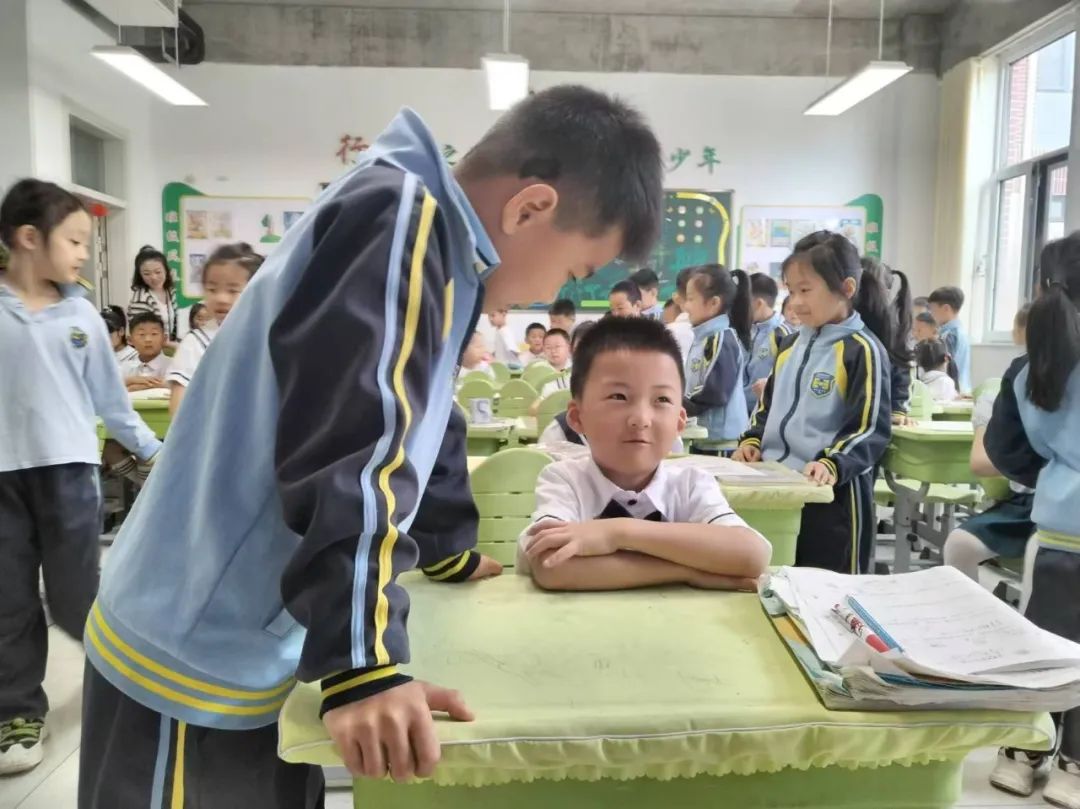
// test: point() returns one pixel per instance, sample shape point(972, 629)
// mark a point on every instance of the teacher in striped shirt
point(152, 291)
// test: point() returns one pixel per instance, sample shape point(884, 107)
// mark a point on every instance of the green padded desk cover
point(576, 695)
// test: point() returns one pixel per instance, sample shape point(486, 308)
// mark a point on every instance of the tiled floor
point(52, 785)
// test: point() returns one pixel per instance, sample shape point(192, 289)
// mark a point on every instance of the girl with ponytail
point(718, 305)
point(825, 410)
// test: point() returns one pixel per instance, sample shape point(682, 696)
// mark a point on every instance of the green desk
point(487, 439)
point(526, 430)
point(666, 697)
point(917, 459)
point(959, 410)
point(155, 412)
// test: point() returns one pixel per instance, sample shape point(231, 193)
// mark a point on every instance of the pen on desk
point(859, 628)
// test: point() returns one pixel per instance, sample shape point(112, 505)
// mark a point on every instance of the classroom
point(465, 404)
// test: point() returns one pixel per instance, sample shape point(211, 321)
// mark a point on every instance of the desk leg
point(902, 521)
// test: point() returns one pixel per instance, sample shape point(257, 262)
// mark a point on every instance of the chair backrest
point(515, 398)
point(475, 389)
point(504, 488)
point(502, 372)
point(550, 406)
point(537, 371)
point(478, 376)
point(921, 405)
point(991, 385)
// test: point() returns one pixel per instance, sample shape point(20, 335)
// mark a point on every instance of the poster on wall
point(194, 225)
point(768, 233)
point(696, 230)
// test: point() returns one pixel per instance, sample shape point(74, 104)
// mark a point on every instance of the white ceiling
point(750, 8)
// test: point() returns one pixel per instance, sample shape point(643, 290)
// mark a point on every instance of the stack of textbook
point(929, 639)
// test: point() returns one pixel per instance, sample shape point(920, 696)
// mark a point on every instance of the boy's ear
point(850, 288)
point(573, 417)
point(682, 420)
point(532, 205)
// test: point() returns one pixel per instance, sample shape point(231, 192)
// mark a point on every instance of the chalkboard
point(696, 230)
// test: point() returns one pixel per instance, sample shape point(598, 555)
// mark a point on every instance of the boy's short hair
point(533, 327)
point(629, 289)
point(557, 333)
point(764, 287)
point(948, 296)
point(596, 150)
point(563, 307)
point(646, 279)
point(922, 301)
point(146, 317)
point(927, 318)
point(622, 334)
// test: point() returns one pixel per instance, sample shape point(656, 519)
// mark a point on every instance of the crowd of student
point(317, 453)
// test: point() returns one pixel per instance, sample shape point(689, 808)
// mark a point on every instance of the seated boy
point(924, 327)
point(619, 518)
point(557, 354)
point(475, 357)
point(648, 282)
point(147, 366)
point(562, 315)
point(534, 344)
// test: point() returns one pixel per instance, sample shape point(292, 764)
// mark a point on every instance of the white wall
point(65, 80)
point(274, 130)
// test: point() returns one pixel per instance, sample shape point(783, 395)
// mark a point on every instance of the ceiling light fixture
point(507, 73)
point(140, 69)
point(877, 75)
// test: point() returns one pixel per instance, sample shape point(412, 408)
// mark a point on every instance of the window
point(87, 157)
point(1032, 170)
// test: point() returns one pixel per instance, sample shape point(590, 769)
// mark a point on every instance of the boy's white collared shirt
point(190, 353)
point(575, 490)
point(156, 367)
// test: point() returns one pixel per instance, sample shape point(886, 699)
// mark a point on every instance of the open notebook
point(926, 639)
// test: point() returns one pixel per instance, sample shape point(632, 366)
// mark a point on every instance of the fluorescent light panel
point(872, 78)
point(140, 69)
point(507, 79)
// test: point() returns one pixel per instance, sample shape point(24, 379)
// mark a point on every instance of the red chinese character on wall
point(350, 144)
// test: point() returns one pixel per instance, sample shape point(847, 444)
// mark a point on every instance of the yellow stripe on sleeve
point(177, 801)
point(841, 369)
point(448, 310)
point(360, 679)
point(412, 318)
point(464, 560)
point(868, 397)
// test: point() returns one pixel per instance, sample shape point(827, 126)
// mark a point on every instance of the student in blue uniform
point(825, 410)
point(768, 332)
point(1036, 420)
point(58, 370)
point(718, 303)
point(945, 304)
point(648, 282)
point(318, 455)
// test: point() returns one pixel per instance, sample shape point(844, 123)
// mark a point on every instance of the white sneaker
point(1017, 770)
point(20, 745)
point(1063, 788)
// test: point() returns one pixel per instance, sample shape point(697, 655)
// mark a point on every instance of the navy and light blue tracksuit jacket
point(827, 400)
point(765, 337)
point(715, 367)
point(267, 543)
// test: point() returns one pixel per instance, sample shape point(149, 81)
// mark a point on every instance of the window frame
point(1036, 169)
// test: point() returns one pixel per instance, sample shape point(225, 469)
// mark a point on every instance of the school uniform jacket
point(1005, 440)
point(267, 543)
point(1052, 436)
point(715, 367)
point(766, 337)
point(827, 400)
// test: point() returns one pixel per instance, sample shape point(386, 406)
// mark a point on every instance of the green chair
point(478, 376)
point(504, 488)
point(536, 372)
point(991, 385)
point(921, 405)
point(475, 389)
point(502, 372)
point(515, 398)
point(550, 406)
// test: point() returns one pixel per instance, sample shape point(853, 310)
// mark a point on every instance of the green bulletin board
point(696, 230)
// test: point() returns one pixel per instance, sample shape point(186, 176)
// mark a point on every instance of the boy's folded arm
point(867, 423)
point(726, 550)
point(623, 570)
point(352, 350)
